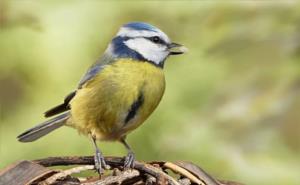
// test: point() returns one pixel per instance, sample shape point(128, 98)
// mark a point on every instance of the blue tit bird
point(118, 92)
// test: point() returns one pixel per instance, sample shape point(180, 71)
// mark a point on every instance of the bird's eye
point(155, 39)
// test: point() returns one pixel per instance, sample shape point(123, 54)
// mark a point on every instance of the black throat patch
point(134, 108)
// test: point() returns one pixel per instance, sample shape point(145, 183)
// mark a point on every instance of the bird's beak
point(176, 49)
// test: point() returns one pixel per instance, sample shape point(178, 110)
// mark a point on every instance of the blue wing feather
point(90, 74)
point(92, 71)
point(95, 69)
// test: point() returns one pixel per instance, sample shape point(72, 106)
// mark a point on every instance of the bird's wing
point(61, 107)
point(90, 74)
point(95, 69)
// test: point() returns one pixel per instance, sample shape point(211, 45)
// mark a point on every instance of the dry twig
point(142, 174)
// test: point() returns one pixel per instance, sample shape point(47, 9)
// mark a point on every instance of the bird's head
point(142, 41)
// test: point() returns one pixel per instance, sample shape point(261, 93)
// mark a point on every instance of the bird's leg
point(99, 158)
point(130, 158)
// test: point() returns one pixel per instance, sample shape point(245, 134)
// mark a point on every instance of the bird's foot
point(129, 160)
point(100, 164)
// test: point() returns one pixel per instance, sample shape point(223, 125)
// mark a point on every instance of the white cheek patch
point(152, 52)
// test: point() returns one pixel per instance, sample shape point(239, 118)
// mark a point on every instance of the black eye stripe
point(156, 40)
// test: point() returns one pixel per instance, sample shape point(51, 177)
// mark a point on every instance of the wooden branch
point(114, 162)
point(24, 172)
point(119, 179)
point(184, 172)
point(143, 173)
point(60, 175)
point(81, 160)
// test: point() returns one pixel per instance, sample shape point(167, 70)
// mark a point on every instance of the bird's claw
point(100, 164)
point(129, 160)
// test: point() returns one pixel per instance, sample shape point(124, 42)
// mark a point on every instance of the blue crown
point(140, 26)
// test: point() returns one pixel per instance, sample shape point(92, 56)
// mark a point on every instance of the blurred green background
point(231, 105)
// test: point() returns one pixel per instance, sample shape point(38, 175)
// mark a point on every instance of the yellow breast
point(103, 105)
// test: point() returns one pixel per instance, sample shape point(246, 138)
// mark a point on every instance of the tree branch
point(157, 172)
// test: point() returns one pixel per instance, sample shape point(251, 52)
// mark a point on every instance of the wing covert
point(90, 74)
point(95, 69)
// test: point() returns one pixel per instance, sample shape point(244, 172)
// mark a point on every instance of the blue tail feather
point(43, 128)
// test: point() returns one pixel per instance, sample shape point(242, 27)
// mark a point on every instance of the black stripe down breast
point(134, 108)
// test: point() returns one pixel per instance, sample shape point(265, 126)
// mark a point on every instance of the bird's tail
point(44, 128)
